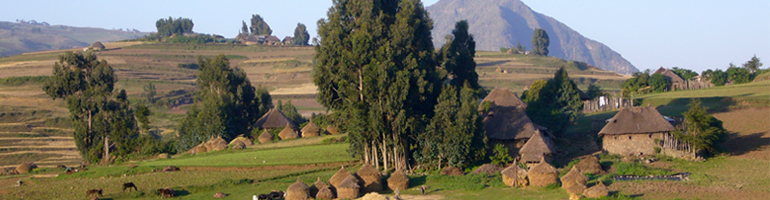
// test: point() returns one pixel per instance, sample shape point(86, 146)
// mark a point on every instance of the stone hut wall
point(631, 144)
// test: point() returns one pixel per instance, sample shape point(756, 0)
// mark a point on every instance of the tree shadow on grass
point(418, 181)
point(741, 144)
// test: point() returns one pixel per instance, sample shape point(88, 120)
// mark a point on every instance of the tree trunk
point(375, 157)
point(106, 158)
point(384, 152)
point(366, 154)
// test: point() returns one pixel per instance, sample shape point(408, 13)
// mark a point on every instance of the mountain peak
point(504, 23)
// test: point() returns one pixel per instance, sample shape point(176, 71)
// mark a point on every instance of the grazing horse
point(166, 193)
point(128, 186)
point(94, 192)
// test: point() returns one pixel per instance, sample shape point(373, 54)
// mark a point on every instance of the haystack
point(288, 133)
point(574, 176)
point(338, 177)
point(216, 144)
point(451, 171)
point(597, 191)
point(536, 148)
point(398, 180)
point(265, 137)
point(237, 144)
point(332, 129)
point(311, 130)
point(298, 191)
point(244, 139)
point(372, 179)
point(199, 149)
point(164, 156)
point(575, 191)
point(26, 167)
point(515, 176)
point(488, 169)
point(325, 193)
point(318, 185)
point(348, 189)
point(590, 164)
point(542, 174)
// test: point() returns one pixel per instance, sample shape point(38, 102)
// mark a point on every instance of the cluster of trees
point(226, 104)
point(290, 111)
point(554, 103)
point(540, 43)
point(700, 131)
point(103, 119)
point(379, 74)
point(260, 27)
point(171, 26)
point(643, 82)
point(735, 74)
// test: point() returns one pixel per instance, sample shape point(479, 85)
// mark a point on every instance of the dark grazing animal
point(94, 192)
point(167, 192)
point(274, 195)
point(128, 186)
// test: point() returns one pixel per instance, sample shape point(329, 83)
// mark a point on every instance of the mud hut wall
point(606, 104)
point(632, 144)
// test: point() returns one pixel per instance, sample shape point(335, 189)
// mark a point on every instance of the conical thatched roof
point(298, 190)
point(508, 123)
point(368, 170)
point(274, 119)
point(246, 141)
point(288, 133)
point(332, 129)
point(311, 130)
point(98, 45)
point(348, 189)
point(24, 168)
point(398, 180)
point(237, 144)
point(670, 75)
point(636, 120)
point(504, 98)
point(318, 185)
point(515, 176)
point(536, 147)
point(340, 176)
point(265, 137)
point(372, 180)
point(590, 164)
point(575, 190)
point(542, 174)
point(597, 191)
point(574, 176)
point(324, 193)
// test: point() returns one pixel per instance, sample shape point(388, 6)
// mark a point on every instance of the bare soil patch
point(748, 129)
point(671, 190)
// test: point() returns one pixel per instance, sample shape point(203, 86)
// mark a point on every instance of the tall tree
point(594, 91)
point(378, 73)
point(659, 82)
point(540, 42)
point(701, 130)
point(686, 74)
point(457, 57)
point(149, 92)
point(738, 75)
point(226, 104)
point(557, 105)
point(143, 116)
point(301, 36)
point(259, 26)
point(244, 28)
point(753, 64)
point(87, 85)
point(171, 26)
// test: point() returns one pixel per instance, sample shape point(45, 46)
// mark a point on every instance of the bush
point(152, 145)
point(500, 156)
point(657, 150)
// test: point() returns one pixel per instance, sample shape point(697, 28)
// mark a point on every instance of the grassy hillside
point(18, 38)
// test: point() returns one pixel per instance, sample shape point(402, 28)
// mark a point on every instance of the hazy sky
point(693, 34)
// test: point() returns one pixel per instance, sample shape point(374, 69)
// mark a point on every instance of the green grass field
point(303, 155)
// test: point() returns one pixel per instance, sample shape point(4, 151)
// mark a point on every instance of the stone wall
point(631, 144)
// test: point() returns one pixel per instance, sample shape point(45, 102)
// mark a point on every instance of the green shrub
point(500, 156)
point(636, 169)
point(657, 150)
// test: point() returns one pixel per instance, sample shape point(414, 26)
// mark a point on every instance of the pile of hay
point(265, 137)
point(311, 130)
point(244, 139)
point(325, 193)
point(26, 167)
point(170, 168)
point(162, 156)
point(374, 196)
point(372, 179)
point(348, 189)
point(216, 144)
point(575, 191)
point(318, 185)
point(488, 169)
point(542, 174)
point(298, 191)
point(590, 164)
point(288, 133)
point(338, 177)
point(597, 191)
point(451, 171)
point(237, 144)
point(219, 195)
point(515, 176)
point(201, 148)
point(332, 130)
point(398, 180)
point(574, 176)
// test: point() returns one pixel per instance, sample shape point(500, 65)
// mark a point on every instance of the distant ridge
point(504, 23)
point(23, 37)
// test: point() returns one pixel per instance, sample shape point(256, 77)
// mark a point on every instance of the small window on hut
point(650, 135)
point(629, 137)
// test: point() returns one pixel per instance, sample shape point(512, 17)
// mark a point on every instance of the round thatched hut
point(597, 191)
point(590, 164)
point(338, 177)
point(332, 129)
point(274, 119)
point(451, 171)
point(311, 130)
point(575, 191)
point(542, 174)
point(398, 180)
point(298, 191)
point(348, 189)
point(325, 193)
point(372, 179)
point(216, 144)
point(515, 176)
point(98, 46)
point(318, 185)
point(288, 133)
point(27, 167)
point(265, 137)
point(237, 144)
point(574, 176)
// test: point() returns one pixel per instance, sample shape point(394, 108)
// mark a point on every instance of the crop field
point(303, 155)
